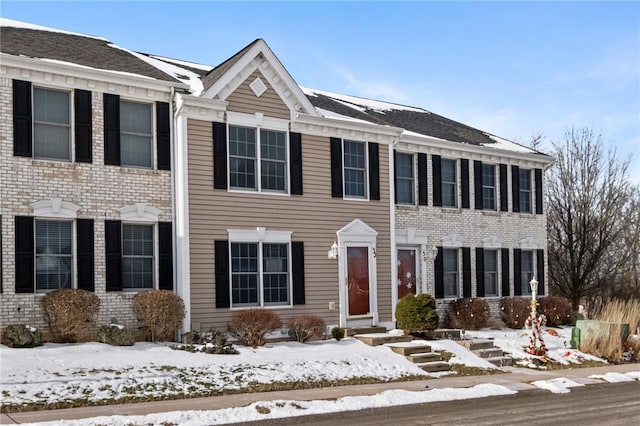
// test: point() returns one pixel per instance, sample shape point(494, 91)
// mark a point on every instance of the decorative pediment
point(55, 207)
point(259, 57)
point(528, 244)
point(139, 212)
point(357, 230)
point(411, 236)
point(452, 240)
point(491, 243)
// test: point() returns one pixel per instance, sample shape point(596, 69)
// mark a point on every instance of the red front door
point(406, 272)
point(358, 280)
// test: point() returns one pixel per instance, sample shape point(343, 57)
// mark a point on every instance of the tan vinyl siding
point(269, 103)
point(313, 217)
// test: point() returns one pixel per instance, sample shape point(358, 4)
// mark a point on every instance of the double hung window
point(490, 258)
point(450, 272)
point(355, 169)
point(51, 124)
point(449, 183)
point(137, 257)
point(135, 134)
point(526, 270)
point(524, 178)
point(404, 178)
point(488, 187)
point(53, 254)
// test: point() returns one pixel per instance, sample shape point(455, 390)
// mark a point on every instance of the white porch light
point(333, 251)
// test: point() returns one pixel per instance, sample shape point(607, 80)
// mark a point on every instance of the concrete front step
point(501, 361)
point(434, 367)
point(409, 349)
point(375, 339)
point(489, 353)
point(477, 344)
point(364, 330)
point(424, 357)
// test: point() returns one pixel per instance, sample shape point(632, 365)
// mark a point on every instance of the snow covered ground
point(94, 372)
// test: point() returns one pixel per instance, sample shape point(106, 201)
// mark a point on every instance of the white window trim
point(455, 184)
point(55, 208)
point(367, 194)
point(258, 236)
point(71, 123)
point(496, 250)
point(413, 179)
point(491, 243)
point(495, 187)
point(458, 272)
point(139, 213)
point(528, 243)
point(531, 191)
point(156, 254)
point(74, 254)
point(452, 241)
point(259, 122)
point(154, 136)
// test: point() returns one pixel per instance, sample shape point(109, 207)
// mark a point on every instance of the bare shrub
point(514, 311)
point(251, 326)
point(557, 310)
point(306, 327)
point(21, 336)
point(467, 314)
point(161, 313)
point(68, 312)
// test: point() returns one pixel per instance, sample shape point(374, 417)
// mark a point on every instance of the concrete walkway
point(518, 379)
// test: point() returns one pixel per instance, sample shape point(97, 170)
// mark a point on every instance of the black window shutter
point(83, 126)
point(515, 188)
point(540, 271)
point(163, 136)
point(222, 273)
point(422, 179)
point(395, 177)
point(111, 129)
point(295, 163)
point(504, 205)
point(165, 256)
point(477, 183)
point(113, 248)
point(517, 269)
point(538, 181)
point(466, 272)
point(22, 129)
point(24, 254)
point(464, 177)
point(479, 272)
point(84, 237)
point(336, 167)
point(439, 274)
point(437, 180)
point(505, 271)
point(374, 171)
point(297, 271)
point(219, 155)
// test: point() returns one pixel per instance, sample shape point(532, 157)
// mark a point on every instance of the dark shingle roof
point(74, 48)
point(210, 78)
point(411, 119)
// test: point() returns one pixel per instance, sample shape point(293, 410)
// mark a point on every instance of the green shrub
point(514, 311)
point(21, 336)
point(210, 342)
point(306, 327)
point(337, 333)
point(68, 312)
point(417, 313)
point(467, 314)
point(557, 310)
point(115, 335)
point(161, 313)
point(251, 326)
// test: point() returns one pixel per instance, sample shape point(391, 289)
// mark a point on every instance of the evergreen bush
point(21, 336)
point(115, 335)
point(337, 333)
point(417, 313)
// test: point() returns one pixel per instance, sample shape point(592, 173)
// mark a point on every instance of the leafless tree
point(589, 199)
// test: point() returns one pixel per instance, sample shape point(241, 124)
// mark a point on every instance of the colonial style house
point(237, 188)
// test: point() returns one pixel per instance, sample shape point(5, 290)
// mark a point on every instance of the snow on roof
point(179, 62)
point(507, 145)
point(365, 104)
point(330, 114)
point(4, 22)
point(184, 75)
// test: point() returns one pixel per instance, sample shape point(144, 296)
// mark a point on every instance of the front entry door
point(358, 280)
point(407, 281)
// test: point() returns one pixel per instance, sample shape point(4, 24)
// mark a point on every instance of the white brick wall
point(99, 190)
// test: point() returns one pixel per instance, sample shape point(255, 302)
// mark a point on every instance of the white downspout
point(392, 232)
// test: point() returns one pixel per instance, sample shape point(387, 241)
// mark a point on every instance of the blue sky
point(510, 68)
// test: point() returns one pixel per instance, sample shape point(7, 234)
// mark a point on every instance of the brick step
point(433, 367)
point(408, 349)
point(364, 330)
point(489, 353)
point(476, 344)
point(501, 361)
point(375, 339)
point(420, 358)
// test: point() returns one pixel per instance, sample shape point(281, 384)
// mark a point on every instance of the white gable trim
point(139, 212)
point(261, 57)
point(357, 230)
point(56, 208)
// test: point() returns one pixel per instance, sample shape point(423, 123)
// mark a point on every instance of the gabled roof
point(212, 76)
point(21, 39)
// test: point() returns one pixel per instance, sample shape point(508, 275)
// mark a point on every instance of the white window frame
point(152, 135)
point(70, 125)
point(526, 289)
point(365, 171)
point(453, 184)
point(495, 273)
point(412, 179)
point(261, 236)
point(457, 273)
point(154, 256)
point(259, 122)
point(528, 191)
point(72, 255)
point(488, 187)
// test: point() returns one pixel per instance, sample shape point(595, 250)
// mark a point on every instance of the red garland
point(539, 349)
